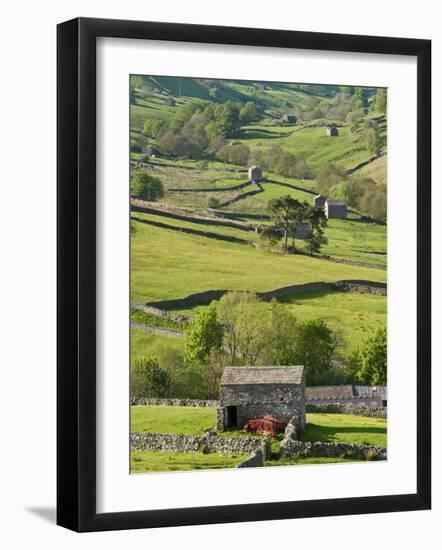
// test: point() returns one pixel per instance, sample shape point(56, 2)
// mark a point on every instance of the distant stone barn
point(332, 131)
point(253, 392)
point(320, 200)
point(335, 209)
point(255, 174)
point(289, 118)
point(170, 101)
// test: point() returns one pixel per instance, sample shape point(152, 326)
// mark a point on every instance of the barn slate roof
point(262, 375)
point(336, 203)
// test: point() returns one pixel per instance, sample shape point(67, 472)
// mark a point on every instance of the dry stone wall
point(339, 408)
point(205, 297)
point(208, 443)
point(292, 446)
point(157, 401)
point(306, 449)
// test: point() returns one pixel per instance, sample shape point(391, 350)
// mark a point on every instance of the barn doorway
point(231, 417)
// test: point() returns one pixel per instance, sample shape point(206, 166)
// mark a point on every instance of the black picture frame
point(76, 274)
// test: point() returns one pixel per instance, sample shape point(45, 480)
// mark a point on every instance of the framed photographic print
point(243, 274)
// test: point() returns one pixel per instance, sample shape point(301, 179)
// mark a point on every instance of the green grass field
point(346, 428)
point(214, 229)
point(166, 264)
point(338, 428)
point(315, 146)
point(176, 420)
point(151, 461)
point(144, 344)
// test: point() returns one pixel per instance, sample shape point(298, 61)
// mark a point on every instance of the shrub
point(213, 202)
point(146, 187)
point(148, 379)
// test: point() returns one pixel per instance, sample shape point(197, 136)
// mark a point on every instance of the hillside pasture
point(144, 344)
point(167, 264)
point(315, 146)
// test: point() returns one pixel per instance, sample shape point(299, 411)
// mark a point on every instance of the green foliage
point(148, 379)
point(315, 215)
point(281, 336)
point(315, 347)
point(204, 335)
point(329, 175)
point(285, 212)
point(270, 235)
point(213, 202)
point(374, 201)
point(369, 364)
point(380, 101)
point(146, 187)
point(234, 154)
point(152, 126)
point(362, 193)
point(249, 112)
point(241, 315)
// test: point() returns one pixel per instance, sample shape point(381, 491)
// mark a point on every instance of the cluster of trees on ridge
point(362, 193)
point(243, 331)
point(200, 128)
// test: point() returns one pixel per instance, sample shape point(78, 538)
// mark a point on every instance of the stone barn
point(253, 392)
point(335, 209)
point(170, 101)
point(289, 118)
point(332, 131)
point(303, 231)
point(320, 200)
point(150, 150)
point(255, 174)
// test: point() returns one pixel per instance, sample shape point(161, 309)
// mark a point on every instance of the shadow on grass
point(326, 434)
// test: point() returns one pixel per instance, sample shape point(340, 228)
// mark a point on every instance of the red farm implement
point(267, 425)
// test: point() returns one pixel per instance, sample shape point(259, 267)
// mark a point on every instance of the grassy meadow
point(199, 263)
point(156, 461)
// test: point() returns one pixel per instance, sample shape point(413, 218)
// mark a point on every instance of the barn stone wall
point(282, 401)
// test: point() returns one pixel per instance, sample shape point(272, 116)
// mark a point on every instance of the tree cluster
point(287, 213)
point(362, 193)
point(200, 128)
point(146, 187)
point(245, 331)
point(241, 330)
point(368, 365)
